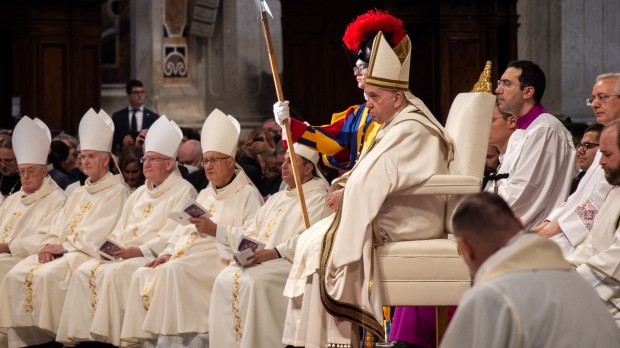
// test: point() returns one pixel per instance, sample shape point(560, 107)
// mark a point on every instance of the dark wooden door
point(451, 41)
point(55, 64)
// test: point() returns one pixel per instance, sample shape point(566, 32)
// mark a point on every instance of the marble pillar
point(573, 41)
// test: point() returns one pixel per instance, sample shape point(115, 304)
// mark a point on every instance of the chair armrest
point(447, 184)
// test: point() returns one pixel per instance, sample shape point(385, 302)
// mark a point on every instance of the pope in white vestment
point(377, 206)
point(33, 292)
point(99, 288)
point(247, 306)
point(173, 298)
point(526, 295)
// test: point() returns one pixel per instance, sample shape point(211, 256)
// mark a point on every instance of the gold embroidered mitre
point(484, 82)
point(389, 68)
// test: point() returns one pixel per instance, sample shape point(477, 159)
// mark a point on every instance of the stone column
point(573, 41)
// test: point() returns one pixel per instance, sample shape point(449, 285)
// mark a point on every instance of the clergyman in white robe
point(99, 288)
point(540, 162)
point(21, 215)
point(247, 306)
point(526, 295)
point(173, 299)
point(597, 259)
point(576, 216)
point(32, 294)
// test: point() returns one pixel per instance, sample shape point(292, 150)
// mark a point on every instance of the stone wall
point(229, 70)
point(573, 41)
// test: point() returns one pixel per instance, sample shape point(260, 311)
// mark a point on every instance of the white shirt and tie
point(137, 116)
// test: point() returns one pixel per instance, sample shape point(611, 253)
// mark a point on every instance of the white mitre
point(31, 141)
point(163, 137)
point(306, 153)
point(220, 133)
point(96, 131)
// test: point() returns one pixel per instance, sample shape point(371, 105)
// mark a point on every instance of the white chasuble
point(99, 288)
point(377, 208)
point(21, 215)
point(173, 299)
point(247, 306)
point(33, 294)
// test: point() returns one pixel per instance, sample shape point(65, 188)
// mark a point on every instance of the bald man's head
point(190, 153)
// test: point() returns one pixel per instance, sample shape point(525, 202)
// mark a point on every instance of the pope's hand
point(281, 112)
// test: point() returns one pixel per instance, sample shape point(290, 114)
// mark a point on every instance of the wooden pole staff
point(287, 127)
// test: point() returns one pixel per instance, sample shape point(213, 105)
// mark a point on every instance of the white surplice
point(32, 294)
point(577, 214)
point(247, 306)
point(21, 215)
point(540, 162)
point(166, 300)
point(526, 295)
point(598, 258)
point(99, 288)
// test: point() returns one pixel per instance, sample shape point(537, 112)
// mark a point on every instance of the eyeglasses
point(601, 99)
point(29, 171)
point(359, 70)
point(586, 145)
point(504, 83)
point(205, 161)
point(138, 92)
point(7, 160)
point(153, 159)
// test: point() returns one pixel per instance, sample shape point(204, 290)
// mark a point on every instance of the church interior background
point(61, 57)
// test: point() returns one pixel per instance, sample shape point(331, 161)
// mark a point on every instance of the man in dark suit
point(134, 118)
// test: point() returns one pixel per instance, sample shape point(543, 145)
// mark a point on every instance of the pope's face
point(382, 104)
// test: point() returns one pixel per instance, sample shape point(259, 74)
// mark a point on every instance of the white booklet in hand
point(245, 249)
point(107, 249)
point(191, 208)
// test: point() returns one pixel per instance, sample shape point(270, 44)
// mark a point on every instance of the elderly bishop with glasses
point(570, 223)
